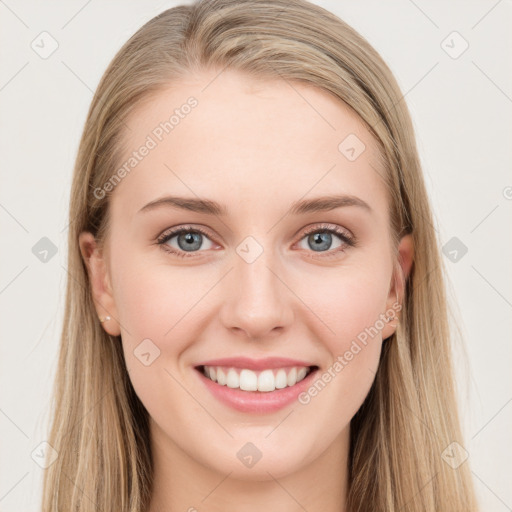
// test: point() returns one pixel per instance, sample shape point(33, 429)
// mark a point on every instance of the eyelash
point(349, 241)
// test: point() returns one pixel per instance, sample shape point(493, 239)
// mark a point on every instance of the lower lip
point(257, 401)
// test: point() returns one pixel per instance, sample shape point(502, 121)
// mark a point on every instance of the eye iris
point(319, 239)
point(190, 239)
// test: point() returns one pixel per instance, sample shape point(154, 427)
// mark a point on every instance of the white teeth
point(301, 373)
point(292, 377)
point(266, 381)
point(221, 377)
point(248, 380)
point(281, 379)
point(233, 380)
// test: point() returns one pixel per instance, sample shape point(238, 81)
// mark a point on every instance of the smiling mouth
point(260, 381)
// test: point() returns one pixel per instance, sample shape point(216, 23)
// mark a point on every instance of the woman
point(255, 314)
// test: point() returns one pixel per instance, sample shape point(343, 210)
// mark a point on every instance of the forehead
point(239, 140)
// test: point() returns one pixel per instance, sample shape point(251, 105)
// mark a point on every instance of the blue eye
point(321, 237)
point(190, 240)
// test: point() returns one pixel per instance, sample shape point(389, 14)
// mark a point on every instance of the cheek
point(158, 302)
point(348, 305)
point(145, 302)
point(353, 309)
point(158, 310)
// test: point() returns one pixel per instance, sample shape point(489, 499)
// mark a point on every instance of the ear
point(100, 282)
point(397, 289)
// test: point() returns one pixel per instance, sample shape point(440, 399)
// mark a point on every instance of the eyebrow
point(319, 204)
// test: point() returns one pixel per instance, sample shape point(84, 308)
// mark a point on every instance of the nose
point(258, 303)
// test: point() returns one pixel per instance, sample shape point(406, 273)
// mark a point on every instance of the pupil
point(321, 238)
point(189, 241)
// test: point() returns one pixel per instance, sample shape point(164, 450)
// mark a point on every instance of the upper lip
point(255, 364)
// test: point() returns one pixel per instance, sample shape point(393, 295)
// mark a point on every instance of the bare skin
point(256, 148)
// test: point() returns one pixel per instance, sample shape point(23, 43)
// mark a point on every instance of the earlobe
point(99, 279)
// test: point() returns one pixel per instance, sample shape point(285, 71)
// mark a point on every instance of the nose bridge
point(258, 301)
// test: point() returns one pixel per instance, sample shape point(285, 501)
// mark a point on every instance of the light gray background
point(461, 109)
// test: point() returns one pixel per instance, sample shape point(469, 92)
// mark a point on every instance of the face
point(269, 275)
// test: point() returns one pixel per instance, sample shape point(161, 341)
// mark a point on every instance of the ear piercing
point(104, 319)
point(389, 318)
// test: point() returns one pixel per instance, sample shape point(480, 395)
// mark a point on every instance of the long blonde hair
point(100, 427)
